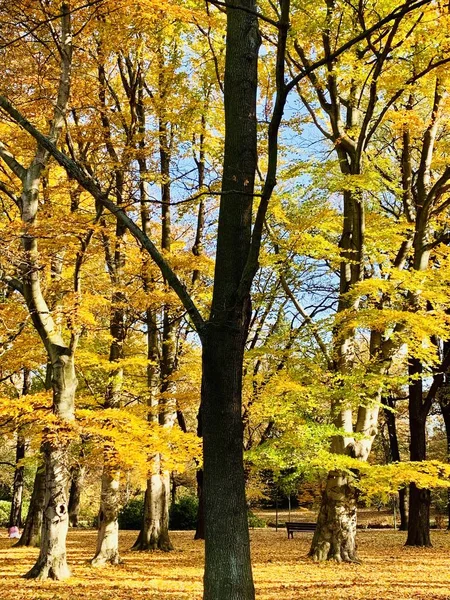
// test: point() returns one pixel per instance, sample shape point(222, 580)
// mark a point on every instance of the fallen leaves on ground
point(282, 571)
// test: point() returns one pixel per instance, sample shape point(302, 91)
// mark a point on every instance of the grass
point(281, 570)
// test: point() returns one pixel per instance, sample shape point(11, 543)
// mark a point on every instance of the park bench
point(291, 527)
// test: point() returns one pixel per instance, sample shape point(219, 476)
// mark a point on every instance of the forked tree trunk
point(52, 562)
point(31, 534)
point(335, 535)
point(154, 534)
point(15, 515)
point(107, 551)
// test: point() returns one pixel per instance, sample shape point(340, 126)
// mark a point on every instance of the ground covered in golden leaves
point(282, 572)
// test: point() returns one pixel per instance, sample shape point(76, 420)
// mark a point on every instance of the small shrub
point(131, 515)
point(255, 521)
point(183, 514)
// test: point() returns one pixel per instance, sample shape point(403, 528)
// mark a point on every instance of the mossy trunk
point(335, 535)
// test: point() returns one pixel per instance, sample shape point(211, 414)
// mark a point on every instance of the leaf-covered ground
point(281, 569)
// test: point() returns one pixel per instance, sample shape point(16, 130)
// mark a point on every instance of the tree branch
point(76, 171)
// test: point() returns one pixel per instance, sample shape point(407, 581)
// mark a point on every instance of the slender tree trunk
point(31, 534)
point(335, 535)
point(394, 450)
point(15, 515)
point(76, 485)
point(445, 410)
point(200, 529)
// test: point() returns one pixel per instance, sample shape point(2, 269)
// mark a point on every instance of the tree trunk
point(402, 503)
point(394, 450)
point(52, 562)
point(31, 534)
point(444, 402)
point(228, 574)
point(15, 515)
point(154, 534)
point(419, 499)
point(228, 571)
point(419, 517)
point(75, 494)
point(108, 526)
point(335, 536)
point(200, 530)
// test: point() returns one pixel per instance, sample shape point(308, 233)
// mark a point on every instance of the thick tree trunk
point(419, 499)
point(108, 525)
point(335, 536)
point(31, 534)
point(75, 494)
point(419, 517)
point(154, 534)
point(52, 562)
point(228, 574)
point(15, 515)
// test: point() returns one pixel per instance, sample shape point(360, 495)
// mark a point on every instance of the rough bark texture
point(51, 562)
point(419, 499)
point(31, 534)
point(108, 526)
point(335, 535)
point(228, 573)
point(154, 534)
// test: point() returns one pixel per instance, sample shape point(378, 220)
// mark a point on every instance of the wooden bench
point(291, 527)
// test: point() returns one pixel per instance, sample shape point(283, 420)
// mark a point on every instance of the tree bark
point(15, 515)
point(52, 562)
point(76, 485)
point(394, 451)
point(228, 574)
point(107, 551)
point(445, 410)
point(31, 534)
point(200, 529)
point(419, 499)
point(154, 534)
point(335, 535)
